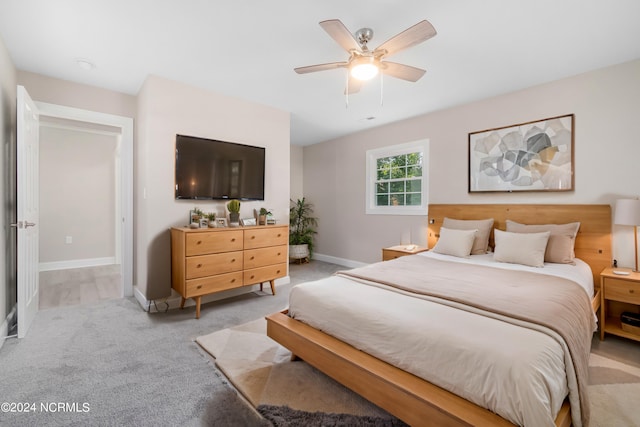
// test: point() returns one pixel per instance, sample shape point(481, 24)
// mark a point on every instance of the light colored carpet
point(261, 370)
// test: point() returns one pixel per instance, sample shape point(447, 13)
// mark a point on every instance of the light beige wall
point(297, 176)
point(606, 108)
point(7, 171)
point(77, 195)
point(166, 108)
point(62, 92)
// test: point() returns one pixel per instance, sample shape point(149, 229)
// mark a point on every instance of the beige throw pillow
point(560, 248)
point(520, 248)
point(481, 242)
point(455, 242)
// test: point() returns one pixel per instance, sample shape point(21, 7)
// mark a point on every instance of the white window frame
point(395, 150)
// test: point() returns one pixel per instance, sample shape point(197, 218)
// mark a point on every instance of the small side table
point(618, 293)
point(394, 252)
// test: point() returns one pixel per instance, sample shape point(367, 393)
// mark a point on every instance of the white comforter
point(517, 372)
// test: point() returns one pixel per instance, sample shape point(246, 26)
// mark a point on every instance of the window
point(397, 179)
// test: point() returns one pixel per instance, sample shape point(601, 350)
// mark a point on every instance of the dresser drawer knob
point(253, 237)
point(252, 258)
point(279, 253)
point(199, 242)
point(199, 265)
point(233, 240)
point(252, 276)
point(279, 234)
point(631, 291)
point(233, 280)
point(199, 287)
point(278, 272)
point(233, 260)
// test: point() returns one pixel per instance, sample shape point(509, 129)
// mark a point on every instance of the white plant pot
point(299, 251)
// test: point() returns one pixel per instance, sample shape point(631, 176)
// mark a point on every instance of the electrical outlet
point(68, 240)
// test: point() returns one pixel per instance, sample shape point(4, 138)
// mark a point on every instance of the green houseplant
point(262, 216)
point(211, 216)
point(302, 227)
point(234, 212)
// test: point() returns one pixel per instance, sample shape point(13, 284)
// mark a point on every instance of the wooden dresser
point(209, 260)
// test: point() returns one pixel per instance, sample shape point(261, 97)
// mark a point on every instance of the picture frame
point(247, 222)
point(531, 156)
point(221, 222)
point(204, 222)
point(194, 218)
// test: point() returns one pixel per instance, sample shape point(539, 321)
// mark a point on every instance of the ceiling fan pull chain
point(381, 91)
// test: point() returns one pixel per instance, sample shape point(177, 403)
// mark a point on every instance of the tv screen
point(212, 169)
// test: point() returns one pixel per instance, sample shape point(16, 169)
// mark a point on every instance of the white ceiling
point(248, 49)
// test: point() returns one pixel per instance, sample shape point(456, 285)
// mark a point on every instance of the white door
point(27, 200)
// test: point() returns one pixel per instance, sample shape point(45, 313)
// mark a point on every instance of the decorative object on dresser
point(627, 212)
point(262, 216)
point(620, 294)
point(195, 215)
point(234, 213)
point(211, 217)
point(302, 228)
point(394, 252)
point(206, 261)
point(532, 156)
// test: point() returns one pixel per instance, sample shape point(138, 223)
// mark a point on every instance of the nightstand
point(401, 250)
point(618, 293)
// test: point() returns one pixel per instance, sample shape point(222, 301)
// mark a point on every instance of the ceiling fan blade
point(353, 86)
point(412, 36)
point(401, 71)
point(320, 67)
point(336, 29)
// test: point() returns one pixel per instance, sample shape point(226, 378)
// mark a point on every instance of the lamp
point(628, 213)
point(364, 68)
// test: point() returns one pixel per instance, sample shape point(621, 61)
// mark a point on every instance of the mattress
point(512, 368)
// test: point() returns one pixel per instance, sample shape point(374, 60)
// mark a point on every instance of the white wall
point(297, 175)
point(7, 171)
point(607, 150)
point(166, 108)
point(77, 196)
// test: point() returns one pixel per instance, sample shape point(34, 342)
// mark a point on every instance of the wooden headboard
point(593, 242)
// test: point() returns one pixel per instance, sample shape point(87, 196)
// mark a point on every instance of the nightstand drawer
point(622, 290)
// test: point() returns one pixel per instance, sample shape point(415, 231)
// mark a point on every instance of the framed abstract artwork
point(532, 156)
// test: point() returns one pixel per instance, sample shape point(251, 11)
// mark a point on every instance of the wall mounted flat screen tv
point(210, 169)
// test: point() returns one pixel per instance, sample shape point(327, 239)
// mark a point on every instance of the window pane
point(382, 200)
point(414, 171)
point(383, 174)
point(382, 187)
point(398, 173)
point(397, 200)
point(414, 199)
point(414, 159)
point(397, 187)
point(397, 161)
point(414, 185)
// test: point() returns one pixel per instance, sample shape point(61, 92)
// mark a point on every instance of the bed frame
point(413, 400)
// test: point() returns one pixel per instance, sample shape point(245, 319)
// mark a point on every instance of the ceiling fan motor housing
point(363, 36)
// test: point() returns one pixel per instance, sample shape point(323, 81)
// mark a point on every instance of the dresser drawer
point(207, 285)
point(622, 290)
point(264, 274)
point(265, 256)
point(213, 242)
point(263, 237)
point(208, 265)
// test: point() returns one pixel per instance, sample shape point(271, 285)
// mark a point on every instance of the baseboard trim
point(76, 263)
point(340, 261)
point(173, 301)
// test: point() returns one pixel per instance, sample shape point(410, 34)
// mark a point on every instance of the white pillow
point(455, 242)
point(520, 248)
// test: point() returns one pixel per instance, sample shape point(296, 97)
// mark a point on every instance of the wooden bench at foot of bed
point(412, 399)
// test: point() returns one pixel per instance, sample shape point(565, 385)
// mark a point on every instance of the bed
point(397, 386)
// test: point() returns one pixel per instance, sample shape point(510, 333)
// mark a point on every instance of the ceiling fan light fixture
point(364, 68)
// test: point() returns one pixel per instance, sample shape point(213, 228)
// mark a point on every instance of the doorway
point(116, 134)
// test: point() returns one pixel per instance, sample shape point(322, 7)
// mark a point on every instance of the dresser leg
point(182, 300)
point(198, 307)
point(273, 286)
point(261, 286)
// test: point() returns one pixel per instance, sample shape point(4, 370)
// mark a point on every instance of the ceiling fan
point(364, 64)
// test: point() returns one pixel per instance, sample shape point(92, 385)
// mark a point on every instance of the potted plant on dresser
point(302, 227)
point(234, 212)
